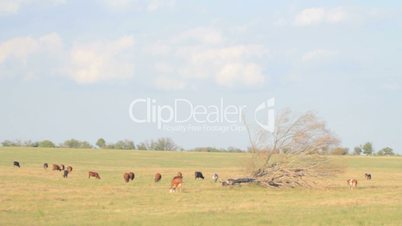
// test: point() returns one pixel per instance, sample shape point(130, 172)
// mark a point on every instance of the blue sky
point(70, 69)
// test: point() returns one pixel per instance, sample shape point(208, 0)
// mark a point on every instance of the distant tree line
point(213, 149)
point(366, 149)
point(167, 144)
point(161, 144)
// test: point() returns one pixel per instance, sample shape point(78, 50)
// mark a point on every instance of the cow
point(368, 176)
point(179, 174)
point(215, 177)
point(62, 167)
point(157, 177)
point(352, 183)
point(176, 184)
point(93, 174)
point(69, 169)
point(56, 167)
point(132, 175)
point(45, 165)
point(126, 177)
point(198, 174)
point(17, 164)
point(65, 173)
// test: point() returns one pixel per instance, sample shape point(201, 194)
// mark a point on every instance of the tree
point(46, 144)
point(368, 149)
point(290, 156)
point(164, 144)
point(340, 151)
point(9, 143)
point(386, 151)
point(101, 143)
point(73, 143)
point(357, 150)
point(142, 146)
point(124, 144)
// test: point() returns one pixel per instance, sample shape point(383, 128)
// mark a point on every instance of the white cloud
point(18, 48)
point(139, 5)
point(168, 84)
point(249, 74)
point(101, 61)
point(319, 54)
point(84, 63)
point(205, 54)
point(316, 16)
point(13, 6)
point(23, 53)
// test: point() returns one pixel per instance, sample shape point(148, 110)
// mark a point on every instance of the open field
point(34, 196)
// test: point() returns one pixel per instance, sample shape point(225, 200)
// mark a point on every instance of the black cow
point(65, 174)
point(368, 176)
point(198, 174)
point(17, 164)
point(45, 166)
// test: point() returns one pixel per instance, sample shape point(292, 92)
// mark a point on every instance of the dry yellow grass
point(34, 196)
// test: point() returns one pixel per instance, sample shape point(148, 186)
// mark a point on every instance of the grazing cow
point(93, 174)
point(62, 167)
point(198, 174)
point(368, 176)
point(56, 167)
point(215, 177)
point(69, 169)
point(45, 165)
point(132, 175)
point(65, 173)
point(126, 177)
point(157, 177)
point(17, 164)
point(352, 183)
point(176, 183)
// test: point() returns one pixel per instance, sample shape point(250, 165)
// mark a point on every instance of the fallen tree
point(293, 155)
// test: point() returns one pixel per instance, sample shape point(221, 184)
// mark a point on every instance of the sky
point(71, 69)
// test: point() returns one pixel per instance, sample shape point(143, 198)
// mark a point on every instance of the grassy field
point(31, 195)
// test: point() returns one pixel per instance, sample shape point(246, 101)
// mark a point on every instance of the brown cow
point(69, 169)
point(157, 177)
point(352, 183)
point(62, 167)
point(126, 177)
point(177, 183)
point(45, 165)
point(56, 167)
point(179, 174)
point(93, 174)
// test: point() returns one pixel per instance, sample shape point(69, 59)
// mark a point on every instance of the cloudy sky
point(70, 69)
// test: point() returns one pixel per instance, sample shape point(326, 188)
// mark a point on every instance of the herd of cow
point(176, 182)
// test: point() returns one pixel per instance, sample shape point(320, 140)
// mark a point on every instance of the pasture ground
point(31, 195)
